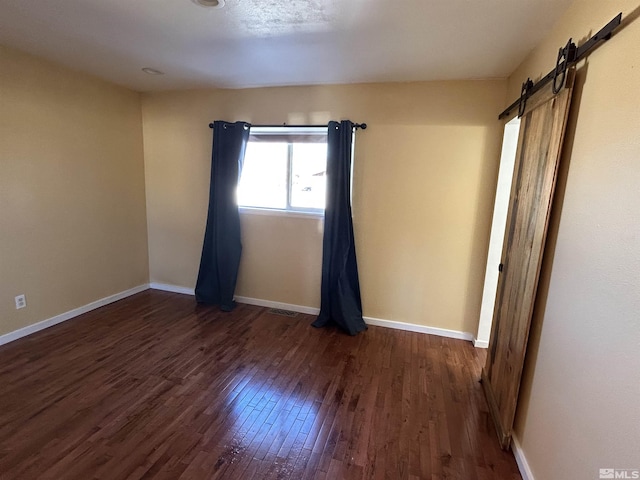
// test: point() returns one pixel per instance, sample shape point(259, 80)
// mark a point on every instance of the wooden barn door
point(539, 145)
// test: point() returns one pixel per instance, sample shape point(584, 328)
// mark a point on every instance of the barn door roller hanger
point(568, 56)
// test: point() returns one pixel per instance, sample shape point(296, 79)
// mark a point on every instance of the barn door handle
point(501, 267)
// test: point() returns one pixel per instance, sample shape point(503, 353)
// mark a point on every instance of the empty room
point(314, 239)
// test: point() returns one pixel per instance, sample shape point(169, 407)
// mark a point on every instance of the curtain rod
point(567, 57)
point(363, 126)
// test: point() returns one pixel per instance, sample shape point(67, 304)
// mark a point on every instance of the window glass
point(308, 175)
point(263, 182)
point(284, 169)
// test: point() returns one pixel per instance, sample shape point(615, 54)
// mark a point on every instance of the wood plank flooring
point(155, 386)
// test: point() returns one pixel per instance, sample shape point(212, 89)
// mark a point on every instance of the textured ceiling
point(251, 43)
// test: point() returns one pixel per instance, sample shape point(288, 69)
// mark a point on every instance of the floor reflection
point(262, 418)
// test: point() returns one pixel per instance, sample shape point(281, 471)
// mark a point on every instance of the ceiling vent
point(209, 3)
point(152, 71)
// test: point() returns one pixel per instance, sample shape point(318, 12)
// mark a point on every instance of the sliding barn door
point(539, 144)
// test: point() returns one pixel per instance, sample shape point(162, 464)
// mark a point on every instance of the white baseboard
point(480, 343)
point(172, 288)
point(248, 300)
point(63, 317)
point(283, 306)
point(521, 460)
point(411, 327)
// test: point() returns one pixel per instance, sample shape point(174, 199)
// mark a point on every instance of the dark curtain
point(340, 293)
point(222, 247)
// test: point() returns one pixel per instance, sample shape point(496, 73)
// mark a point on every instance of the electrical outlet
point(21, 302)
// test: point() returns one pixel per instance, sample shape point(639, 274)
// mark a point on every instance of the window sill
point(279, 213)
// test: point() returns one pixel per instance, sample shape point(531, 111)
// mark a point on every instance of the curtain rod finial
point(211, 125)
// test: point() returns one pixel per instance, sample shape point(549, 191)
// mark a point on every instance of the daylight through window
point(285, 169)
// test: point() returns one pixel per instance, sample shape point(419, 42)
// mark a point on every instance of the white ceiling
point(251, 43)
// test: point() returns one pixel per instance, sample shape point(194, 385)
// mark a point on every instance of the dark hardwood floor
point(154, 386)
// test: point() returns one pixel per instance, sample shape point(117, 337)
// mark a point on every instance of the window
point(285, 169)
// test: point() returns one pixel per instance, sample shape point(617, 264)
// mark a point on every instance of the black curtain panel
point(340, 295)
point(222, 247)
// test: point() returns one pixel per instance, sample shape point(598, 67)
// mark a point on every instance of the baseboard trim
point(480, 343)
point(284, 306)
point(521, 460)
point(63, 317)
point(172, 288)
point(410, 327)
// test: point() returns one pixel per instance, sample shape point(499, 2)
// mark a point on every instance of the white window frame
point(289, 210)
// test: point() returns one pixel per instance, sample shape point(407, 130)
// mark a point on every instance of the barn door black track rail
point(568, 56)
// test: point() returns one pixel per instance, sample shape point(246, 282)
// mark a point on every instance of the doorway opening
point(498, 225)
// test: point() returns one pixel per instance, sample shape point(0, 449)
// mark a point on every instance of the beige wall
point(579, 406)
point(72, 205)
point(425, 173)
